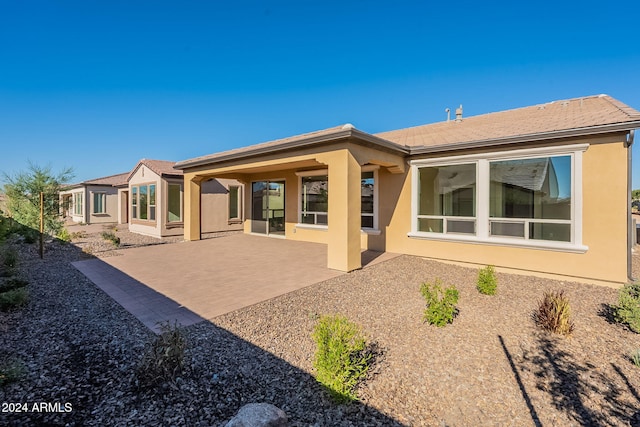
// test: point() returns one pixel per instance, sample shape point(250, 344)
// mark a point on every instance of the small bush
point(12, 283)
point(13, 298)
point(441, 304)
point(341, 359)
point(64, 235)
point(30, 235)
point(627, 310)
point(487, 281)
point(76, 235)
point(11, 370)
point(163, 358)
point(107, 235)
point(9, 258)
point(554, 313)
point(635, 357)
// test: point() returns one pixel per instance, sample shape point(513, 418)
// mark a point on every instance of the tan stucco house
point(94, 201)
point(153, 201)
point(542, 189)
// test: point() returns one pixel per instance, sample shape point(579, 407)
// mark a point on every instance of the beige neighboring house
point(153, 201)
point(543, 189)
point(94, 201)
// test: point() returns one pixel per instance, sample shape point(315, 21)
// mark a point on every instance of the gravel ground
point(492, 366)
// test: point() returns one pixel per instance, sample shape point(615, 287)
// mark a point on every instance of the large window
point(315, 200)
point(447, 200)
point(143, 202)
point(531, 198)
point(99, 203)
point(174, 203)
point(527, 197)
point(235, 206)
point(77, 203)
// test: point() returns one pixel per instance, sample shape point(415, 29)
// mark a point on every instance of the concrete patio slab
point(192, 281)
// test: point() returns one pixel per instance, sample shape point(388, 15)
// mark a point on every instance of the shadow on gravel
point(523, 389)
point(589, 395)
point(84, 350)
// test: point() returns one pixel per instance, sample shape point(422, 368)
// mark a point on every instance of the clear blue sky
point(98, 85)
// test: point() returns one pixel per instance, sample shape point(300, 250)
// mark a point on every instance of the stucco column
point(191, 207)
point(344, 211)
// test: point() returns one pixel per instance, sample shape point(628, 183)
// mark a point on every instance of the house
point(94, 201)
point(152, 202)
point(543, 189)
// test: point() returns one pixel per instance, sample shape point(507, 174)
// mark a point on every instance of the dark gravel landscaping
point(492, 366)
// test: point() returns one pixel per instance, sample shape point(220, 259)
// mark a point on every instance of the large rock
point(259, 415)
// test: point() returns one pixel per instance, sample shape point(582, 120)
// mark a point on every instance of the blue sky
point(98, 85)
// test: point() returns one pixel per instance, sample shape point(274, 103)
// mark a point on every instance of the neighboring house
point(152, 202)
point(94, 201)
point(542, 189)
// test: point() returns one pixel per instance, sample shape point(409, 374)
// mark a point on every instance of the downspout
point(630, 230)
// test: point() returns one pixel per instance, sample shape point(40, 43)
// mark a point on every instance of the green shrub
point(635, 357)
point(13, 298)
point(64, 235)
point(627, 310)
point(9, 258)
point(487, 281)
point(554, 313)
point(11, 370)
point(163, 358)
point(107, 235)
point(341, 359)
point(30, 235)
point(12, 283)
point(441, 304)
point(76, 235)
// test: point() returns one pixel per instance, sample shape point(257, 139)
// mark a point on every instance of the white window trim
point(104, 202)
point(482, 235)
point(181, 220)
point(319, 172)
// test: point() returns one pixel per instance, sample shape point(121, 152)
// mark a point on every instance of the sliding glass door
point(267, 207)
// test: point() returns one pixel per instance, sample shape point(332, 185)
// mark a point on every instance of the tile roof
point(586, 113)
point(114, 180)
point(161, 167)
point(264, 145)
point(577, 113)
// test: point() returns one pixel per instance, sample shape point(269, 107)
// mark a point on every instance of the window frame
point(103, 202)
point(301, 175)
point(239, 196)
point(483, 218)
point(181, 201)
point(78, 202)
point(136, 205)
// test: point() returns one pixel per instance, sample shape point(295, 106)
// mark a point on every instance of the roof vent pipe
point(448, 111)
point(459, 114)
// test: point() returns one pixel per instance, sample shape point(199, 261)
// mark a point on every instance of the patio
point(193, 281)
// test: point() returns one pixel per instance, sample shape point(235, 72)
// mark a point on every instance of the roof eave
point(543, 136)
point(297, 144)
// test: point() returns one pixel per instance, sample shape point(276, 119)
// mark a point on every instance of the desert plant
point(12, 283)
point(78, 235)
point(554, 313)
point(635, 357)
point(163, 358)
point(627, 310)
point(11, 369)
point(341, 359)
point(441, 304)
point(487, 281)
point(64, 235)
point(107, 235)
point(13, 298)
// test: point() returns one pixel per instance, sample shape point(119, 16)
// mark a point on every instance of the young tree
point(23, 196)
point(635, 194)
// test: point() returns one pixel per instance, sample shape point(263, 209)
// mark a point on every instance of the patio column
point(191, 207)
point(343, 251)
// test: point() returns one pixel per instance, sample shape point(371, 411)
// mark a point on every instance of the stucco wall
point(604, 183)
point(111, 204)
point(214, 206)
